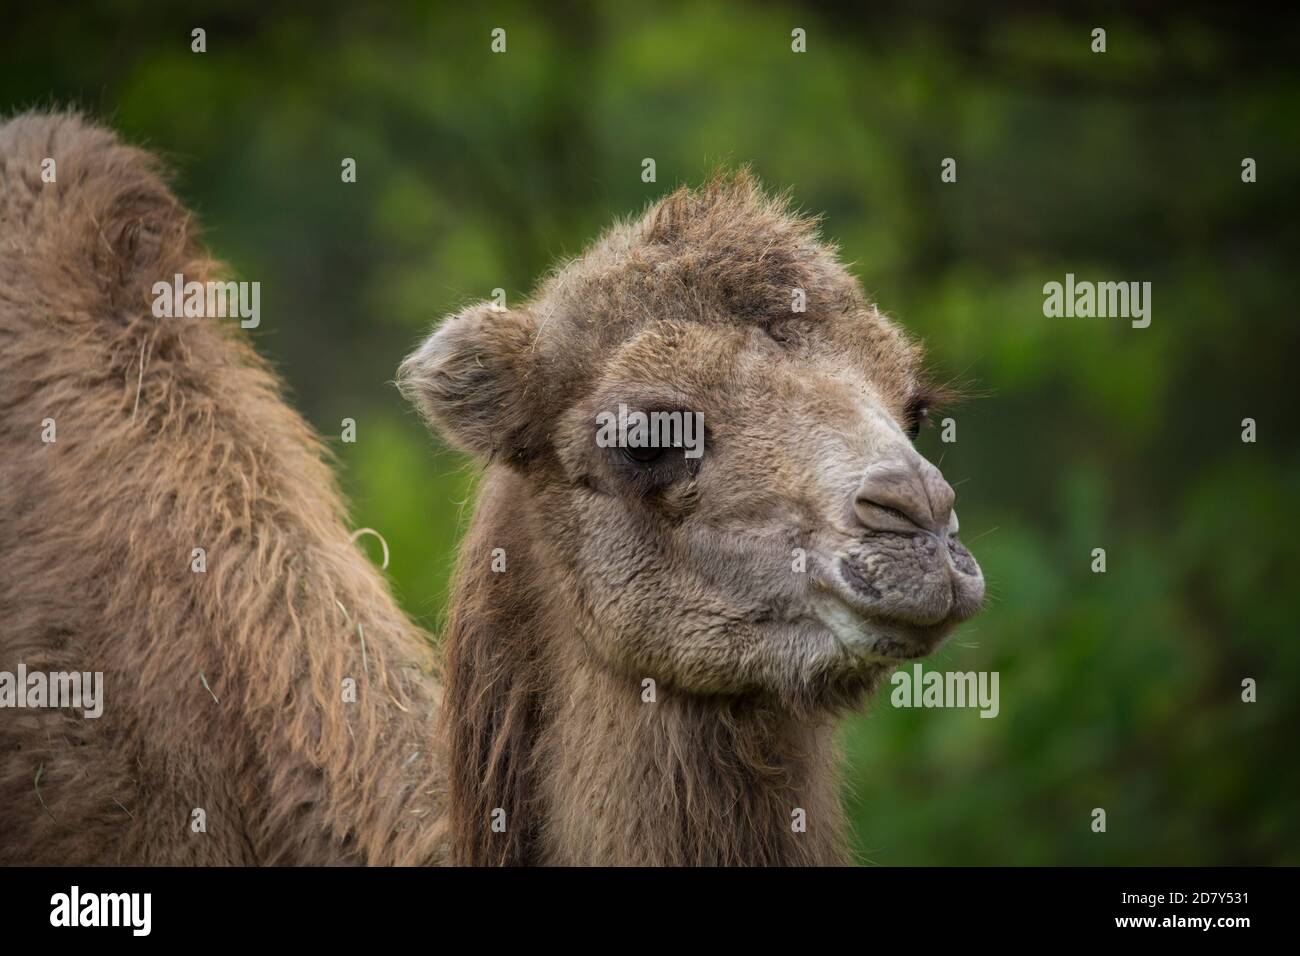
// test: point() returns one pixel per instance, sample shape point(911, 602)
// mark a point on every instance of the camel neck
point(636, 773)
point(557, 757)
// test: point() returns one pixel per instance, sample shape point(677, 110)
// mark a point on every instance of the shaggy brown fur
point(172, 435)
point(648, 680)
point(586, 771)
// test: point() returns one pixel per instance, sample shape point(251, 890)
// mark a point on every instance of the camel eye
point(918, 413)
point(643, 456)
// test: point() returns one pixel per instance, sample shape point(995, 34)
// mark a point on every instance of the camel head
point(779, 536)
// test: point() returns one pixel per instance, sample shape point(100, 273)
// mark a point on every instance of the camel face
point(805, 546)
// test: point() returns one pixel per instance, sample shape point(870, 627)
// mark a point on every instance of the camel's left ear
point(470, 381)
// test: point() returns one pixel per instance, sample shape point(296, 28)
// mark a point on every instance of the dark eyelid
point(652, 454)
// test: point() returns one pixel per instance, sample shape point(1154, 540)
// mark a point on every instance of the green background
point(1119, 690)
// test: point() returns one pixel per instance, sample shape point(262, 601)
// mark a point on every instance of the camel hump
point(87, 219)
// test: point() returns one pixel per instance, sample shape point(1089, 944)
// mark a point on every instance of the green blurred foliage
point(1119, 690)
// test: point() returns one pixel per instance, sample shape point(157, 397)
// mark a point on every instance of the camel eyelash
point(928, 398)
point(916, 414)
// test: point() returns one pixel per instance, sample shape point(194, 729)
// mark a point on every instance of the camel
point(646, 652)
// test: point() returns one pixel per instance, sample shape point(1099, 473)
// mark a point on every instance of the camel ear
point(469, 379)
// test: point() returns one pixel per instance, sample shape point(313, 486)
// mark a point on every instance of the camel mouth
point(875, 637)
point(895, 598)
point(919, 579)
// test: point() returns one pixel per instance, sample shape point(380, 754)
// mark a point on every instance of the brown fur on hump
point(172, 435)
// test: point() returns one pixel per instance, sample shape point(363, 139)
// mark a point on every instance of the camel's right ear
point(469, 379)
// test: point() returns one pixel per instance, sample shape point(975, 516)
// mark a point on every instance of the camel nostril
point(888, 510)
point(891, 500)
point(902, 494)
